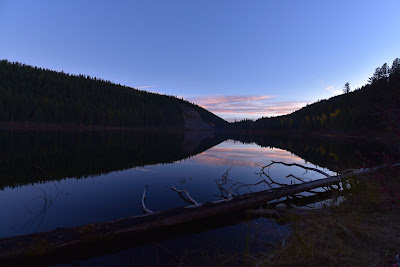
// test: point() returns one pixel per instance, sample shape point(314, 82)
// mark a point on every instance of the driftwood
point(88, 239)
point(188, 197)
point(146, 210)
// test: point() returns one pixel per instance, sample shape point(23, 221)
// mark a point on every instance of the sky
point(238, 59)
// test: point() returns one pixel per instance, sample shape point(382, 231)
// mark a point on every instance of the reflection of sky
point(238, 154)
point(118, 194)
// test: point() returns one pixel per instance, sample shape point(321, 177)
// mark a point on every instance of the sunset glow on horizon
point(233, 108)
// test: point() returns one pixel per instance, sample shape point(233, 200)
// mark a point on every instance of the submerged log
point(93, 239)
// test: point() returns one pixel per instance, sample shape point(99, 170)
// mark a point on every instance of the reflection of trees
point(25, 155)
point(94, 153)
point(334, 154)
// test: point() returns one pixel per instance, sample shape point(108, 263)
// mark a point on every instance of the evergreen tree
point(395, 69)
point(346, 88)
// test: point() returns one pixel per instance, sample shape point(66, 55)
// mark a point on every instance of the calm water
point(51, 180)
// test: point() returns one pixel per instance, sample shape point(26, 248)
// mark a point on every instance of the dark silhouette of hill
point(31, 94)
point(375, 106)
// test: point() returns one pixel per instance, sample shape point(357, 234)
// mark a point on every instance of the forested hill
point(31, 94)
point(375, 106)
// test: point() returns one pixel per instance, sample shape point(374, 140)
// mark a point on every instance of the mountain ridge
point(374, 106)
point(32, 96)
point(35, 95)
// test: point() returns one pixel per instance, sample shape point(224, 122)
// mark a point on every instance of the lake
point(64, 179)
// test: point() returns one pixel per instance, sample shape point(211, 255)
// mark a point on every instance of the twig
point(295, 177)
point(40, 169)
point(224, 182)
point(146, 210)
point(47, 203)
point(189, 198)
point(227, 191)
point(295, 164)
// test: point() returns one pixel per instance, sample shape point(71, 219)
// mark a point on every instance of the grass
point(362, 229)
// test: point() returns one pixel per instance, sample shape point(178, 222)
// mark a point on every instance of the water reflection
point(244, 155)
point(117, 166)
point(45, 156)
point(329, 152)
point(29, 157)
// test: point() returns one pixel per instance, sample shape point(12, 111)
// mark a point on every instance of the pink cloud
point(216, 100)
point(229, 107)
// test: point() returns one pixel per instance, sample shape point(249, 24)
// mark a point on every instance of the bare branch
point(223, 190)
point(41, 169)
point(295, 177)
point(39, 216)
point(189, 198)
point(297, 165)
point(146, 210)
point(225, 181)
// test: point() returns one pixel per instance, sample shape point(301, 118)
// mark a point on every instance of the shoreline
point(336, 133)
point(71, 127)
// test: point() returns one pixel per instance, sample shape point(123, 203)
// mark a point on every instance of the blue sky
point(239, 59)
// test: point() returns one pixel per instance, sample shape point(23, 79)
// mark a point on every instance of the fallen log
point(76, 240)
point(58, 245)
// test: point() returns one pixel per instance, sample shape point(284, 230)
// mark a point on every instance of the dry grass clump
point(362, 229)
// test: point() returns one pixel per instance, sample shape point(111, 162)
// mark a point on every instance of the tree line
point(373, 106)
point(32, 94)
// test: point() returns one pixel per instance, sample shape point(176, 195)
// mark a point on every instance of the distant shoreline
point(42, 126)
point(71, 127)
point(28, 126)
point(331, 133)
